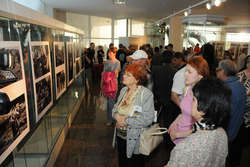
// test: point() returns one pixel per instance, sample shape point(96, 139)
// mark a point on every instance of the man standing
point(179, 78)
point(141, 57)
point(226, 71)
point(89, 61)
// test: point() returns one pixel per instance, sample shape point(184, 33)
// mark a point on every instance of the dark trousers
point(134, 161)
point(237, 145)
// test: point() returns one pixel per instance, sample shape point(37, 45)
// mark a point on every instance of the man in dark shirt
point(89, 61)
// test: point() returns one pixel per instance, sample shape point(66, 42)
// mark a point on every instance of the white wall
point(37, 5)
point(79, 21)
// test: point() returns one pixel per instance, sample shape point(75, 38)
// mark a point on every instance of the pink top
point(186, 121)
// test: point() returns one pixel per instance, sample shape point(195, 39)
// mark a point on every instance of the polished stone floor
point(89, 140)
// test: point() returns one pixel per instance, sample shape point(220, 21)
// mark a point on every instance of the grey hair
point(228, 66)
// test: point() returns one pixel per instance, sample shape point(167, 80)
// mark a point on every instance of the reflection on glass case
point(70, 58)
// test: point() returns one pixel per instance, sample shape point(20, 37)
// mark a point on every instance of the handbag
point(109, 85)
point(151, 138)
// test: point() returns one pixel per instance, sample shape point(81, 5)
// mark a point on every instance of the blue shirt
point(237, 106)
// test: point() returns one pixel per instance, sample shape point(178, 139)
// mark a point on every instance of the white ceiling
point(145, 9)
point(149, 9)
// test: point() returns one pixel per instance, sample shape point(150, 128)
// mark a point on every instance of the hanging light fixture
point(217, 3)
point(188, 11)
point(209, 6)
point(119, 2)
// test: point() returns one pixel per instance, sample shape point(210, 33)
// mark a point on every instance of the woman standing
point(133, 112)
point(207, 145)
point(196, 69)
point(109, 76)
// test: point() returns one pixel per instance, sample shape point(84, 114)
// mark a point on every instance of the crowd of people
point(203, 102)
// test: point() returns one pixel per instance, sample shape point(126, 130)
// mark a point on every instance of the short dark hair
point(120, 45)
point(214, 100)
point(166, 56)
point(171, 45)
point(157, 49)
point(92, 43)
point(179, 55)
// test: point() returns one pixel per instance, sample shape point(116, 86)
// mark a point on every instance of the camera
point(6, 75)
point(5, 59)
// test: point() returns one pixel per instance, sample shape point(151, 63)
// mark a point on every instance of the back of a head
point(157, 49)
point(166, 56)
point(228, 66)
point(120, 46)
point(200, 65)
point(208, 53)
point(179, 55)
point(214, 100)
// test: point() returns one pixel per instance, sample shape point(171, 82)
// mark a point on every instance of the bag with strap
point(151, 138)
point(109, 85)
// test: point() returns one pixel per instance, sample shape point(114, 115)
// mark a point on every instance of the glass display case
point(40, 62)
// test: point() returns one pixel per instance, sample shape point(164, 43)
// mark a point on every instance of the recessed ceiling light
point(119, 2)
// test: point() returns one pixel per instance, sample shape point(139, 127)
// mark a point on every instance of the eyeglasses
point(248, 60)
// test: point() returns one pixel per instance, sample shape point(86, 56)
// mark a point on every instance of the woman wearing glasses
point(133, 112)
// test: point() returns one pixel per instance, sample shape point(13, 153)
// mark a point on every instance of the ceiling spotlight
point(209, 6)
point(119, 2)
point(217, 3)
point(185, 13)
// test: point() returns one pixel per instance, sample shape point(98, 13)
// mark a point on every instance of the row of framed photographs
point(235, 49)
point(14, 129)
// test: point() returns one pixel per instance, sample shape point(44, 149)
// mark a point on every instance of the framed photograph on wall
point(70, 58)
point(14, 124)
point(41, 68)
point(60, 83)
point(78, 66)
point(60, 74)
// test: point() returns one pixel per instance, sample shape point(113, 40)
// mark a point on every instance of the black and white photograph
point(15, 123)
point(70, 62)
point(14, 117)
point(40, 59)
point(78, 68)
point(42, 79)
point(59, 53)
point(43, 94)
point(14, 70)
point(60, 74)
point(60, 83)
point(78, 50)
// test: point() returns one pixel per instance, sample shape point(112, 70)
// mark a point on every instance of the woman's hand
point(174, 134)
point(120, 119)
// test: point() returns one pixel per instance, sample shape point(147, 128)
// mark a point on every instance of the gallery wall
point(45, 62)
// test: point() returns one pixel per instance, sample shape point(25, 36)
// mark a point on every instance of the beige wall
point(176, 31)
